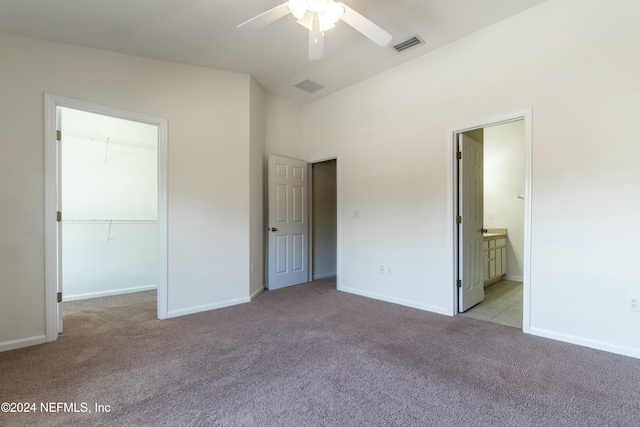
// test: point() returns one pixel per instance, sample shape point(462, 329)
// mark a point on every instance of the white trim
point(310, 221)
point(399, 301)
point(51, 101)
point(586, 342)
point(513, 278)
point(256, 293)
point(163, 220)
point(50, 209)
point(452, 231)
point(338, 222)
point(23, 342)
point(123, 291)
point(201, 308)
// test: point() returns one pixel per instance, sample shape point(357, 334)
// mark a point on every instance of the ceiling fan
point(318, 16)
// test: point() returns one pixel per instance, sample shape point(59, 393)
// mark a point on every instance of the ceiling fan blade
point(265, 18)
point(366, 27)
point(316, 46)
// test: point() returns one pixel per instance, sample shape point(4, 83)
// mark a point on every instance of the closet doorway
point(109, 236)
point(324, 221)
point(109, 201)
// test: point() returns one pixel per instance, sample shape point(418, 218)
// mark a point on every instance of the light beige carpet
point(312, 356)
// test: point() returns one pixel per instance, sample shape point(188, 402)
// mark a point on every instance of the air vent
point(309, 86)
point(408, 44)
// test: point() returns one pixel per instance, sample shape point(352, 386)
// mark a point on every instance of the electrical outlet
point(389, 270)
point(634, 303)
point(382, 269)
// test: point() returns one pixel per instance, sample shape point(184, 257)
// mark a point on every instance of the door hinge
point(59, 216)
point(459, 155)
point(459, 283)
point(459, 219)
point(59, 296)
point(58, 135)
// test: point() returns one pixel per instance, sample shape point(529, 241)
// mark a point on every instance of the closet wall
point(109, 205)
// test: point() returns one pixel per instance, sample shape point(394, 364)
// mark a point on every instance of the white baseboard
point(586, 342)
point(256, 293)
point(399, 301)
point(77, 297)
point(201, 308)
point(23, 342)
point(514, 278)
point(323, 276)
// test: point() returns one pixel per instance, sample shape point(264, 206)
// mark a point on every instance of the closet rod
point(110, 222)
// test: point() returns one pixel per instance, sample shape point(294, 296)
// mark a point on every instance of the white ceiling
point(203, 33)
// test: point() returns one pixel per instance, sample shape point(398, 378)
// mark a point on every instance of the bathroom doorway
point(501, 252)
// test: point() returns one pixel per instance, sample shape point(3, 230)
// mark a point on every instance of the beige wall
point(208, 112)
point(575, 63)
point(283, 127)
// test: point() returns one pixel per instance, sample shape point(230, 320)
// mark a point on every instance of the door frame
point(452, 180)
point(51, 102)
point(310, 210)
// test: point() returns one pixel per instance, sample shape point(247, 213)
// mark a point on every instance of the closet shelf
point(110, 140)
point(109, 221)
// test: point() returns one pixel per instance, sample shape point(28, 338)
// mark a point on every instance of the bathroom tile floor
point(502, 304)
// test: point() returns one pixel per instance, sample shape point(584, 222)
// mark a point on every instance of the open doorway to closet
point(109, 200)
point(106, 189)
point(324, 220)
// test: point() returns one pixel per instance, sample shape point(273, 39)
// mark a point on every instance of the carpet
point(310, 355)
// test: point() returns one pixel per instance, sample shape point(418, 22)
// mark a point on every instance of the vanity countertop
point(495, 232)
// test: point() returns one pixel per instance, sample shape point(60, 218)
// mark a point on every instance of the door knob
point(484, 230)
point(274, 229)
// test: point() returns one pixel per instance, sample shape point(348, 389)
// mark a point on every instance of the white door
point(288, 247)
point(470, 212)
point(59, 209)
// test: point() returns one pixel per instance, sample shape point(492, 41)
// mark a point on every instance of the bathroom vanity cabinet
point(495, 255)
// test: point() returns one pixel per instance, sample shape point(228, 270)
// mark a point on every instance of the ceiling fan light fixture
point(298, 8)
point(328, 12)
point(317, 6)
point(332, 13)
